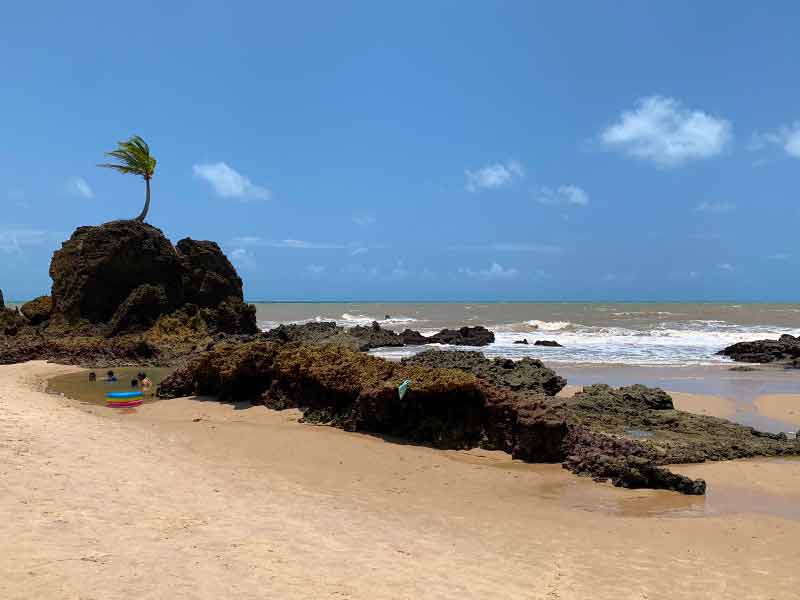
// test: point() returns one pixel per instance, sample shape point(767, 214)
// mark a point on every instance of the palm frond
point(134, 158)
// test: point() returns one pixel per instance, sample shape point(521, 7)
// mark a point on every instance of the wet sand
point(194, 499)
point(711, 390)
point(781, 407)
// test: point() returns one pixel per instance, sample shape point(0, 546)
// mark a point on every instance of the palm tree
point(134, 156)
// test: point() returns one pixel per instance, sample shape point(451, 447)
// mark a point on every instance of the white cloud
point(786, 136)
point(661, 130)
point(725, 266)
point(511, 247)
point(780, 256)
point(358, 251)
point(242, 258)
point(493, 176)
point(15, 238)
point(496, 271)
point(364, 220)
point(315, 269)
point(565, 194)
point(77, 186)
point(715, 207)
point(296, 244)
point(228, 183)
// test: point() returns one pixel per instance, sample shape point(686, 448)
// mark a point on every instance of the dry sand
point(193, 499)
point(781, 407)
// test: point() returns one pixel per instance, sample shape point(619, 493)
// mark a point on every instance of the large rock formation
point(785, 351)
point(2, 301)
point(125, 279)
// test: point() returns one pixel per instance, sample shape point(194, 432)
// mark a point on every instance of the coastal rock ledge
point(783, 351)
point(121, 291)
point(463, 400)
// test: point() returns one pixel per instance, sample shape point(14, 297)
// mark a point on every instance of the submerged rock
point(549, 343)
point(785, 350)
point(525, 341)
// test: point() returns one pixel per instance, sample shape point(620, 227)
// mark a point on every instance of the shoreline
point(255, 497)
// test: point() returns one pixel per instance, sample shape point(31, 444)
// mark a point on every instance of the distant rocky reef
point(122, 292)
point(374, 336)
point(785, 351)
point(461, 399)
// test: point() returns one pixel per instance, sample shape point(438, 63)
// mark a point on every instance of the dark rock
point(38, 310)
point(784, 350)
point(549, 343)
point(409, 337)
point(527, 374)
point(11, 322)
point(123, 293)
point(209, 278)
point(232, 316)
point(743, 368)
point(2, 301)
point(342, 387)
point(603, 398)
point(96, 270)
point(464, 336)
point(604, 457)
point(525, 341)
point(140, 309)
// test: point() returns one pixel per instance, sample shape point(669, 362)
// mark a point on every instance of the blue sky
point(419, 150)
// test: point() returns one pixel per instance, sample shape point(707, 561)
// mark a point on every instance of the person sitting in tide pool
point(147, 385)
point(110, 377)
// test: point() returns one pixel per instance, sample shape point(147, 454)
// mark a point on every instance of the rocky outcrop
point(528, 374)
point(209, 278)
point(785, 350)
point(464, 336)
point(122, 292)
point(625, 434)
point(548, 343)
point(603, 457)
point(342, 387)
point(2, 301)
point(98, 268)
point(140, 309)
point(38, 310)
point(365, 338)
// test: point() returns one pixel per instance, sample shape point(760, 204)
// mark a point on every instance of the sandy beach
point(194, 499)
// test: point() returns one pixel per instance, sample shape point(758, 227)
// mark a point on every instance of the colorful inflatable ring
point(123, 395)
point(124, 403)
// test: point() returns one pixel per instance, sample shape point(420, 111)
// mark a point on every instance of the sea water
point(620, 333)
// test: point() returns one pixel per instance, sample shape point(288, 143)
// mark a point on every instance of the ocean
point(669, 334)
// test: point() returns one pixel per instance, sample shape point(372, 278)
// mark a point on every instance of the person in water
point(110, 377)
point(147, 385)
point(134, 383)
point(92, 377)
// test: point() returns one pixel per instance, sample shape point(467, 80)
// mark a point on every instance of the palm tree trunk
point(146, 208)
